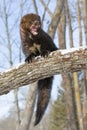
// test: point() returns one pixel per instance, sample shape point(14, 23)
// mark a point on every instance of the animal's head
point(31, 23)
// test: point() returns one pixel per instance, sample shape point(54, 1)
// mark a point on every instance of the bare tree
point(75, 76)
point(84, 9)
point(84, 16)
point(67, 80)
point(25, 123)
point(55, 18)
point(79, 22)
point(11, 63)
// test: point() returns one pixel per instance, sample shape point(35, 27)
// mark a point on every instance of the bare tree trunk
point(29, 109)
point(11, 63)
point(72, 123)
point(84, 9)
point(7, 34)
point(62, 30)
point(35, 6)
point(78, 101)
point(69, 22)
point(56, 18)
point(75, 77)
point(45, 12)
point(79, 22)
point(66, 83)
point(85, 102)
point(17, 109)
point(46, 7)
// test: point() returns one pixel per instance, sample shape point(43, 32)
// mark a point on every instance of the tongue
point(34, 31)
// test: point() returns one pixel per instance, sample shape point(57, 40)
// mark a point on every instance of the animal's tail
point(44, 92)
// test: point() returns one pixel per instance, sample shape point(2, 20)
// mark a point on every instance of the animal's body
point(36, 42)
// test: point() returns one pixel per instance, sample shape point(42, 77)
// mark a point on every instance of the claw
point(45, 53)
point(29, 59)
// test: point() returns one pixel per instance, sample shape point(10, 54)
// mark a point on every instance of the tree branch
point(55, 18)
point(56, 63)
point(47, 9)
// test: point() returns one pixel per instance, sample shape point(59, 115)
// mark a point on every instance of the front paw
point(45, 53)
point(29, 59)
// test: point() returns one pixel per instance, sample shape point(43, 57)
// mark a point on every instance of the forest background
point(65, 21)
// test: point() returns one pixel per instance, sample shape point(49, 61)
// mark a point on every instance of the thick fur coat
point(36, 42)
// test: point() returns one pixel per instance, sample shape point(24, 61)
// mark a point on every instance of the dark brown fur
point(37, 42)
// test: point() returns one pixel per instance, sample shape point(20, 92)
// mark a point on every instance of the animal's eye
point(30, 22)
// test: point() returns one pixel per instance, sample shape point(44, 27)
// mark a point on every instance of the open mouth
point(34, 30)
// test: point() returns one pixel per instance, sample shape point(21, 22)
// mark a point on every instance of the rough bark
point(55, 63)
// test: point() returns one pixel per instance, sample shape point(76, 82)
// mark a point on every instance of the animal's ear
point(22, 23)
point(39, 17)
point(23, 20)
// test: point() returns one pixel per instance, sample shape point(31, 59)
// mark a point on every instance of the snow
point(65, 51)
